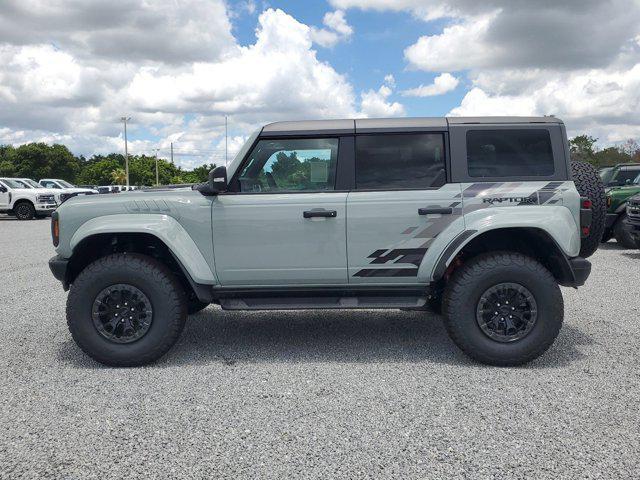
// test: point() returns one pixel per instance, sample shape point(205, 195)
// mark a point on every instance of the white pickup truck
point(25, 203)
point(65, 190)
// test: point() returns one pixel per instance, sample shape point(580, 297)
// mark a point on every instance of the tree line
point(584, 147)
point(39, 160)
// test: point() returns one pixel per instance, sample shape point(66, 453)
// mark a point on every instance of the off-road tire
point(589, 184)
point(155, 280)
point(469, 282)
point(622, 235)
point(24, 210)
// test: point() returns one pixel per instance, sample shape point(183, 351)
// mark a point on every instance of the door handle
point(320, 213)
point(433, 211)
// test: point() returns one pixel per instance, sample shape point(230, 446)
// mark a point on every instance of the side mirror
point(217, 182)
point(627, 181)
point(3, 189)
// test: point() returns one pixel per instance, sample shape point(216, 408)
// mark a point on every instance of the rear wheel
point(126, 310)
point(620, 231)
point(503, 308)
point(24, 210)
point(589, 184)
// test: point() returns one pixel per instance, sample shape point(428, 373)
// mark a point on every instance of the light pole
point(126, 151)
point(157, 177)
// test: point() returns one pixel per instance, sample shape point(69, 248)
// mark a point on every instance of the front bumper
point(59, 267)
point(46, 207)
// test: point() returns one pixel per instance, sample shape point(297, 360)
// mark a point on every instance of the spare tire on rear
point(589, 184)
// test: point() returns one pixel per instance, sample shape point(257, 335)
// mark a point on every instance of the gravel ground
point(369, 394)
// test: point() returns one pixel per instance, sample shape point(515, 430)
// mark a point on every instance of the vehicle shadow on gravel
point(232, 338)
point(611, 245)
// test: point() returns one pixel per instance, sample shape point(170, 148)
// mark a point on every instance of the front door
point(285, 224)
point(400, 204)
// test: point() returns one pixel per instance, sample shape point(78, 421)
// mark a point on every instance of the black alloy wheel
point(506, 312)
point(122, 313)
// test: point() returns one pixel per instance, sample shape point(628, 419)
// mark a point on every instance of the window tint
point(402, 161)
point(625, 175)
point(509, 153)
point(291, 165)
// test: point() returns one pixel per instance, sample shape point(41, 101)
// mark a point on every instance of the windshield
point(606, 174)
point(65, 184)
point(12, 183)
point(23, 183)
point(636, 181)
point(30, 182)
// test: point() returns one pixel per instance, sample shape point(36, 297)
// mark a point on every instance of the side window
point(400, 161)
point(50, 185)
point(626, 175)
point(291, 165)
point(509, 153)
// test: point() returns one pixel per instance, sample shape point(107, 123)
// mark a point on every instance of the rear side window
point(509, 153)
point(400, 161)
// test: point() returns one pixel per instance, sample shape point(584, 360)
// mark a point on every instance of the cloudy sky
point(69, 69)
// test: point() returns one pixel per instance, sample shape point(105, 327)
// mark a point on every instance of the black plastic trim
point(59, 266)
point(219, 292)
point(441, 266)
point(580, 269)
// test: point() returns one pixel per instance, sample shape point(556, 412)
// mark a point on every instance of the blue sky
point(69, 70)
point(375, 50)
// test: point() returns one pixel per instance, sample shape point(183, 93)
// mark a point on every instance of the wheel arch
point(534, 242)
point(163, 228)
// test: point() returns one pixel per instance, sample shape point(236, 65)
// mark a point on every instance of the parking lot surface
point(322, 394)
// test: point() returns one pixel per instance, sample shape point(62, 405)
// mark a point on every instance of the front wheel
point(621, 232)
point(24, 210)
point(126, 310)
point(503, 308)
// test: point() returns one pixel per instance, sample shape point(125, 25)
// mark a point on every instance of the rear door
point(400, 203)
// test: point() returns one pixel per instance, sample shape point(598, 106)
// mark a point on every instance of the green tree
point(119, 176)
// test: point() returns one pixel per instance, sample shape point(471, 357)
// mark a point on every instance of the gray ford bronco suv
point(478, 218)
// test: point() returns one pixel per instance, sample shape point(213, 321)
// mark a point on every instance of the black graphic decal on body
point(387, 272)
point(400, 255)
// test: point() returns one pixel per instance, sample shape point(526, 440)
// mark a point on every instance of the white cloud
point(59, 93)
point(605, 103)
point(337, 30)
point(168, 31)
point(458, 47)
point(374, 103)
point(441, 84)
point(577, 59)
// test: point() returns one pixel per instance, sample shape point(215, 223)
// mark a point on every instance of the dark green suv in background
point(621, 182)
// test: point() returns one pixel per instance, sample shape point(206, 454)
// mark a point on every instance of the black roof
point(364, 125)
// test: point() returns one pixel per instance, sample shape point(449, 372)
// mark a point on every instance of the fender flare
point(556, 222)
point(165, 228)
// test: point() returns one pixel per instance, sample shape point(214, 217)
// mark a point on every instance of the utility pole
point(126, 151)
point(225, 140)
point(157, 177)
point(171, 152)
